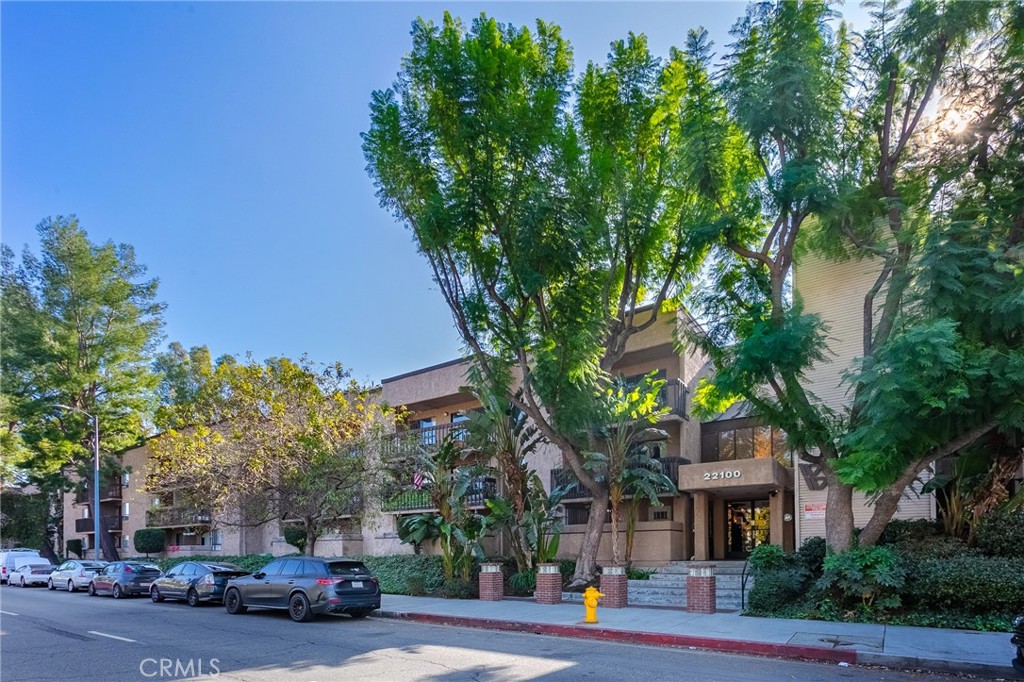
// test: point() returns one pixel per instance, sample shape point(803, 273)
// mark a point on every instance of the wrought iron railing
point(87, 525)
point(426, 438)
point(111, 491)
point(566, 477)
point(481, 490)
point(167, 517)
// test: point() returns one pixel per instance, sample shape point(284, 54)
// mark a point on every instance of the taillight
point(128, 569)
point(207, 579)
point(81, 574)
point(329, 581)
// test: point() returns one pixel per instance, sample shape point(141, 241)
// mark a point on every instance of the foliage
point(774, 589)
point(543, 523)
point(523, 583)
point(295, 536)
point(275, 440)
point(24, 519)
point(547, 229)
point(567, 567)
point(900, 531)
point(864, 577)
point(971, 584)
point(812, 555)
point(1002, 534)
point(248, 562)
point(80, 321)
point(418, 528)
point(149, 540)
point(459, 588)
point(767, 557)
point(978, 487)
point(634, 573)
point(74, 546)
point(410, 574)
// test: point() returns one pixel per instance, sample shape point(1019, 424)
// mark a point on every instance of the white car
point(26, 574)
point(74, 574)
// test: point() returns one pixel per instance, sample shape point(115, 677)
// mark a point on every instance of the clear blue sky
point(222, 141)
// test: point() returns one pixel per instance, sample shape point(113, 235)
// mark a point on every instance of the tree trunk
point(586, 563)
point(311, 537)
point(838, 513)
point(885, 508)
point(46, 550)
point(615, 531)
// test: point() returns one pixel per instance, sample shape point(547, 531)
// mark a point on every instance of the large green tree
point(547, 227)
point(278, 440)
point(80, 322)
point(818, 139)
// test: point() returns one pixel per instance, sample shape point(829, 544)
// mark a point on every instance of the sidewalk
point(959, 651)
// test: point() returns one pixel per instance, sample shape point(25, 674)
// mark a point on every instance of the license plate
point(357, 584)
point(145, 584)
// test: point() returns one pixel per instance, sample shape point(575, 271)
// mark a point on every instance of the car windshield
point(142, 567)
point(348, 569)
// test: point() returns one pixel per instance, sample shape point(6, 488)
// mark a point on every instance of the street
point(58, 636)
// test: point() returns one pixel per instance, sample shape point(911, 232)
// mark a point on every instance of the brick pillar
point(549, 584)
point(492, 582)
point(701, 592)
point(614, 587)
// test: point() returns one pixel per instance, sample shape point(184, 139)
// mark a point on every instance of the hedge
point(975, 584)
point(412, 574)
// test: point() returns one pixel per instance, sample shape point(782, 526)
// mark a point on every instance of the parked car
point(306, 587)
point(1018, 641)
point(7, 560)
point(31, 572)
point(195, 582)
point(74, 574)
point(123, 578)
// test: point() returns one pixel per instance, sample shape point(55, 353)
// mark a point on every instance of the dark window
point(230, 568)
point(190, 569)
point(762, 442)
point(175, 570)
point(744, 443)
point(709, 447)
point(292, 567)
point(348, 569)
point(273, 568)
point(726, 446)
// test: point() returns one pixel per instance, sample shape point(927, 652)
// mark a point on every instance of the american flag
point(417, 480)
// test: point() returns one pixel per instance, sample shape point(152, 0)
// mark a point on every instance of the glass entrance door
point(746, 527)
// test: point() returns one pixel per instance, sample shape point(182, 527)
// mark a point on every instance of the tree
point(547, 229)
point(283, 440)
point(149, 540)
point(24, 521)
point(813, 141)
point(80, 322)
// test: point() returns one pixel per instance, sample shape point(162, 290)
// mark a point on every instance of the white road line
point(8, 613)
point(103, 634)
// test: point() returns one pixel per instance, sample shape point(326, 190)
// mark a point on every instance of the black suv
point(307, 587)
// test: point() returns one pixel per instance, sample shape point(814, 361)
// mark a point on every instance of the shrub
point(865, 577)
point(766, 558)
point(975, 584)
point(776, 589)
point(460, 589)
point(901, 530)
point(639, 573)
point(812, 554)
point(567, 567)
point(149, 540)
point(249, 562)
point(522, 584)
point(74, 547)
point(406, 573)
point(295, 536)
point(1001, 534)
point(938, 547)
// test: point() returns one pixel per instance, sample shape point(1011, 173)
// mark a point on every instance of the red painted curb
point(736, 646)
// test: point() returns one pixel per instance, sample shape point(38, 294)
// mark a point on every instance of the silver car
point(27, 574)
point(74, 574)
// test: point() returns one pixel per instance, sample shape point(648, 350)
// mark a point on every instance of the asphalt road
point(59, 636)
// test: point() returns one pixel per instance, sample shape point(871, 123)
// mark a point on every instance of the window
point(66, 566)
point(744, 443)
point(762, 442)
point(292, 567)
point(273, 568)
point(428, 435)
point(125, 540)
point(190, 569)
point(726, 446)
point(458, 417)
point(155, 502)
point(125, 479)
point(125, 510)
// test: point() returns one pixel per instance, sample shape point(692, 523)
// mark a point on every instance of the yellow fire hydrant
point(590, 597)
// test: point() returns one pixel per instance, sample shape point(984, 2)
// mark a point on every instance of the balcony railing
point(481, 490)
point(427, 438)
point(170, 517)
point(87, 525)
point(566, 477)
point(111, 491)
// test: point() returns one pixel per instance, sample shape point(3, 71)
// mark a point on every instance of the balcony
point(428, 438)
point(111, 491)
point(87, 525)
point(177, 517)
point(566, 477)
point(481, 490)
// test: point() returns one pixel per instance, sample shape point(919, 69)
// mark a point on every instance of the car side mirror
point(260, 575)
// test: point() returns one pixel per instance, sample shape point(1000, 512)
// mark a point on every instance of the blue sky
point(222, 141)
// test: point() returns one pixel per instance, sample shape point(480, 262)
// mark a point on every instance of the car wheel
point(49, 585)
point(154, 594)
point(359, 614)
point(298, 608)
point(71, 586)
point(192, 597)
point(233, 602)
point(117, 591)
point(92, 590)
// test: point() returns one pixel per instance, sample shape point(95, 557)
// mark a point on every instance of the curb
point(734, 646)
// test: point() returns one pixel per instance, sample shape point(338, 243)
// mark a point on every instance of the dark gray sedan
point(123, 578)
point(195, 582)
point(306, 587)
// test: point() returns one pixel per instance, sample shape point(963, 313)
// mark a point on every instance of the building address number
point(720, 475)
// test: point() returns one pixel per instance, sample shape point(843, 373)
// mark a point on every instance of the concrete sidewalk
point(960, 651)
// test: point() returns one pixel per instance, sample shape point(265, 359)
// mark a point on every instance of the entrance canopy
point(739, 478)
